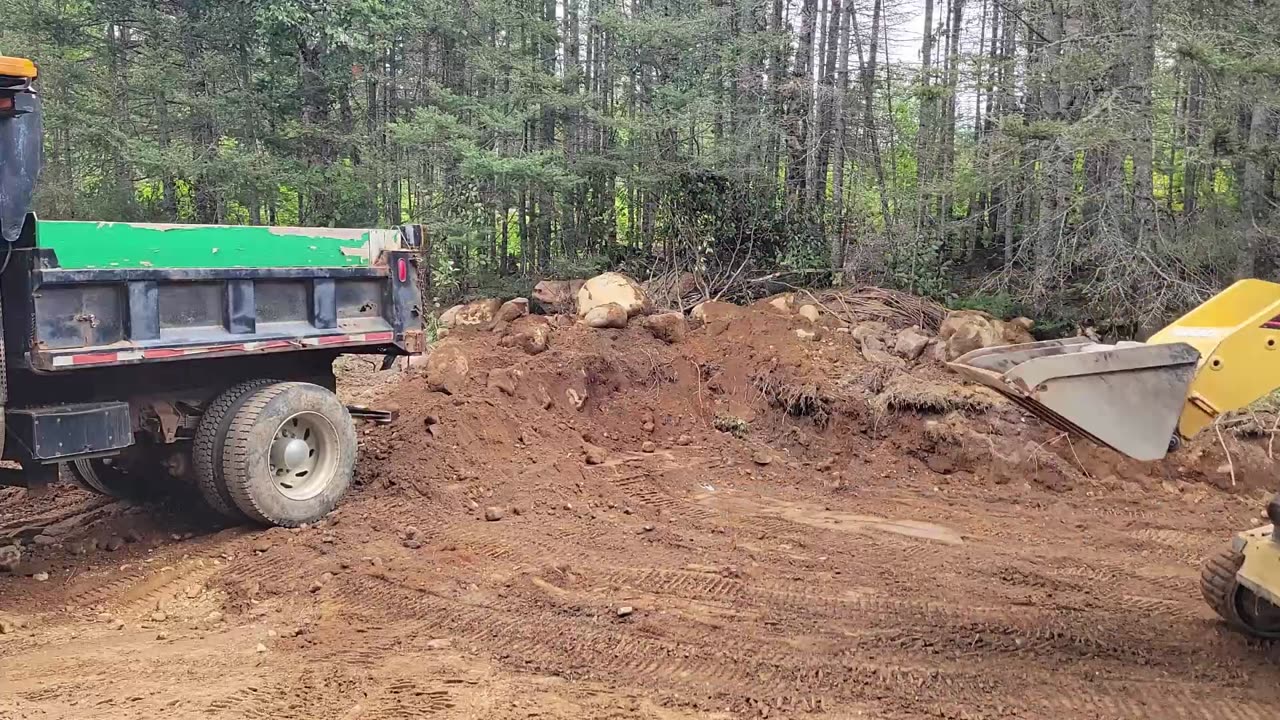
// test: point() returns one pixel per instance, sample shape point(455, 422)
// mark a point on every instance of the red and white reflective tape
point(114, 357)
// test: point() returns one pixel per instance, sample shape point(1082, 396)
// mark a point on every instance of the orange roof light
point(17, 67)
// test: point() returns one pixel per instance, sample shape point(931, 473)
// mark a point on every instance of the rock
point(807, 335)
point(782, 303)
point(117, 625)
point(714, 311)
point(577, 400)
point(595, 454)
point(439, 644)
point(533, 339)
point(479, 312)
point(940, 464)
point(159, 616)
point(648, 426)
point(761, 458)
point(504, 380)
point(105, 617)
point(260, 648)
point(7, 626)
point(441, 333)
point(609, 315)
point(612, 288)
point(450, 316)
point(1026, 323)
point(810, 313)
point(648, 447)
point(684, 440)
point(873, 352)
point(411, 533)
point(668, 327)
point(510, 311)
point(625, 611)
point(43, 540)
point(40, 576)
point(911, 343)
point(113, 543)
point(968, 330)
point(162, 635)
point(871, 328)
point(262, 544)
point(556, 297)
point(447, 368)
point(648, 528)
point(493, 513)
point(214, 617)
point(937, 351)
point(412, 544)
point(193, 591)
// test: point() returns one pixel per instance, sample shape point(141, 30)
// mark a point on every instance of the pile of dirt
point(778, 374)
point(760, 511)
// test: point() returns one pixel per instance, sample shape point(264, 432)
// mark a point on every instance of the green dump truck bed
point(98, 293)
point(106, 245)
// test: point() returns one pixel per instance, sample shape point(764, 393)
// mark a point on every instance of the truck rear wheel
point(134, 474)
point(289, 453)
point(206, 450)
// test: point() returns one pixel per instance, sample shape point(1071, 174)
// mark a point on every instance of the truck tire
point(109, 476)
point(206, 450)
point(289, 453)
point(85, 476)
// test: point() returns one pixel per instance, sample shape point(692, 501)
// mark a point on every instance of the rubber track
point(205, 458)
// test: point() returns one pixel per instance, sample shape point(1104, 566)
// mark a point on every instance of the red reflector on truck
point(402, 269)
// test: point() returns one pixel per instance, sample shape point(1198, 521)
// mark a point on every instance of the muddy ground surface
point(855, 540)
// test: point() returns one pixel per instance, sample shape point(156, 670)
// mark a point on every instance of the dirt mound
point(733, 521)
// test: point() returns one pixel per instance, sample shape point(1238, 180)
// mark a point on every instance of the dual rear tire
point(277, 453)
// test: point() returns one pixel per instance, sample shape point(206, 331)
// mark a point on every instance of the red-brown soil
point(833, 551)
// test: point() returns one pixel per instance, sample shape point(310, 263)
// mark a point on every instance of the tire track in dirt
point(538, 641)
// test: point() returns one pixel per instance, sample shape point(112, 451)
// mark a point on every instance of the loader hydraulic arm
point(1237, 333)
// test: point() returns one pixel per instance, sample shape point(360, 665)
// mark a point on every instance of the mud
point(835, 552)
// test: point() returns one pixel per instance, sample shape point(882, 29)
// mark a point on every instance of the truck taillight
point(402, 270)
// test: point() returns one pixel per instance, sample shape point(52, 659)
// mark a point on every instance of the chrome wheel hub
point(303, 455)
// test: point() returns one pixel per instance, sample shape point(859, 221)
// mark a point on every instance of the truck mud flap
point(56, 432)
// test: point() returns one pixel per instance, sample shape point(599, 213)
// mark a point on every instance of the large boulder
point(964, 331)
point(479, 312)
point(449, 317)
point(810, 312)
point(447, 368)
point(612, 289)
point(910, 343)
point(668, 327)
point(611, 315)
point(556, 297)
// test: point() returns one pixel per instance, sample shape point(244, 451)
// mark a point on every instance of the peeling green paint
point(93, 245)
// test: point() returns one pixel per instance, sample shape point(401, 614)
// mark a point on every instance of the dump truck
point(1145, 399)
point(136, 355)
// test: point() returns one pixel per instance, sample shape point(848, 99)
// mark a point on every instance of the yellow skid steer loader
point(1145, 399)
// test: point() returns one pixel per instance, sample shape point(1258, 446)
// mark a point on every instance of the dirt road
point(796, 571)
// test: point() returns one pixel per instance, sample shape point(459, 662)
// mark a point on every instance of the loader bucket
point(1127, 396)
